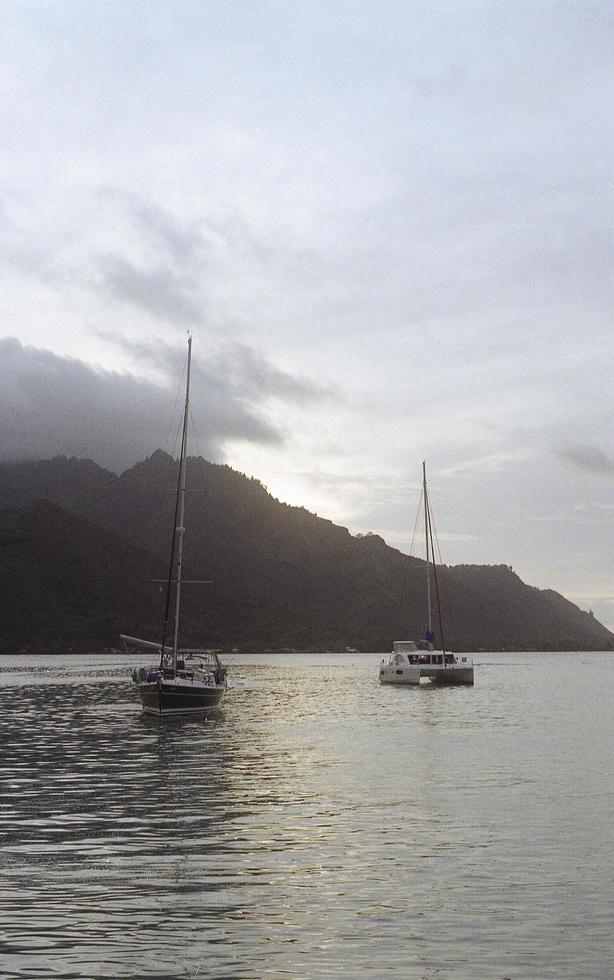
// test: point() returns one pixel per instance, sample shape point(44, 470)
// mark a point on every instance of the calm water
point(318, 825)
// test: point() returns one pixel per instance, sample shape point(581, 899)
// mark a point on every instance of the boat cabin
point(200, 666)
point(408, 652)
point(422, 657)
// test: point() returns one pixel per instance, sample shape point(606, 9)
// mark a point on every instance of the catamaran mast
point(180, 529)
point(428, 558)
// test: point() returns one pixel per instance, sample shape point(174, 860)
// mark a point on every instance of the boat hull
point(399, 675)
point(173, 699)
point(448, 676)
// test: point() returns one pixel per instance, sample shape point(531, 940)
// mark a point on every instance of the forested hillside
point(81, 572)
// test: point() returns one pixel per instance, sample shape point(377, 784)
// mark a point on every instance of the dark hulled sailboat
point(185, 680)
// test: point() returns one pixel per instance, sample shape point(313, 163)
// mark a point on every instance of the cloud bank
point(51, 405)
point(589, 458)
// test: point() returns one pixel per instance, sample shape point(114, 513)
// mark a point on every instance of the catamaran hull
point(450, 676)
point(399, 675)
point(442, 676)
point(171, 699)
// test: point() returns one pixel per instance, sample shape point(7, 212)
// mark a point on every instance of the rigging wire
point(445, 586)
point(174, 423)
point(169, 584)
point(429, 522)
point(194, 436)
point(408, 563)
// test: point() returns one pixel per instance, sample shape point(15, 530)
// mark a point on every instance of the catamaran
point(410, 661)
point(185, 680)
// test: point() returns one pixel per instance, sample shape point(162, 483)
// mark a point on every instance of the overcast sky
point(389, 227)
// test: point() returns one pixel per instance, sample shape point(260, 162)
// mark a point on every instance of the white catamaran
point(409, 663)
point(185, 680)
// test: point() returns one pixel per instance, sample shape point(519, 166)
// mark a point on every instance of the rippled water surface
point(316, 825)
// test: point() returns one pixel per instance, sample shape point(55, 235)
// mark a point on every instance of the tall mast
point(428, 555)
point(180, 529)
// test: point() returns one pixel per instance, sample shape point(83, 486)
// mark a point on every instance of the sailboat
point(185, 680)
point(410, 661)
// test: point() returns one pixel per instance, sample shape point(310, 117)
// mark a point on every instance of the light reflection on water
point(316, 825)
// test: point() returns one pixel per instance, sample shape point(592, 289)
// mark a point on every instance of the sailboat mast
point(182, 489)
point(428, 556)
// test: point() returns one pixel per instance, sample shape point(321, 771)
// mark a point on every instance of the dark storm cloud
point(251, 375)
point(55, 405)
point(156, 264)
point(183, 245)
point(237, 368)
point(588, 458)
point(157, 354)
point(179, 269)
point(19, 252)
point(161, 291)
point(165, 279)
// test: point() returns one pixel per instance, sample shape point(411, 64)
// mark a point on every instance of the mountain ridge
point(283, 577)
